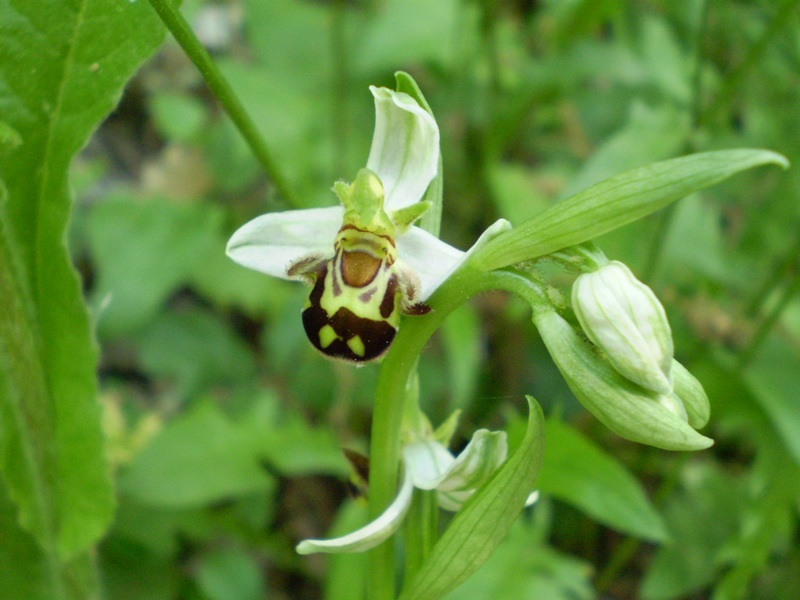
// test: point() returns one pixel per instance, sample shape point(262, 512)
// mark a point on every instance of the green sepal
point(405, 217)
point(485, 519)
point(444, 432)
point(617, 201)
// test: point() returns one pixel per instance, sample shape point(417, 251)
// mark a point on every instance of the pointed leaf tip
point(617, 201)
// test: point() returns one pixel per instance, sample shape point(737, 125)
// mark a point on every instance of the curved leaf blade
point(62, 68)
point(617, 201)
point(484, 521)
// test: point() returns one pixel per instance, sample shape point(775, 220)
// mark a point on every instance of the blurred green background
point(225, 428)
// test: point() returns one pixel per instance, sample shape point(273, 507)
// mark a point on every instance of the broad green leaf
point(291, 118)
point(62, 68)
point(200, 457)
point(178, 117)
point(579, 472)
point(28, 572)
point(132, 572)
point(485, 519)
point(615, 202)
point(289, 444)
point(520, 192)
point(405, 32)
point(694, 244)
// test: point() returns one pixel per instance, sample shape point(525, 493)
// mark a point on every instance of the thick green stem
point(184, 35)
point(390, 396)
point(421, 531)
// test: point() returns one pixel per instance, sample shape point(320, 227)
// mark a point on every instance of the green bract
point(618, 201)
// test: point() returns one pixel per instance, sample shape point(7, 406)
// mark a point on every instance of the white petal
point(477, 463)
point(271, 242)
point(453, 501)
point(371, 534)
point(497, 228)
point(432, 466)
point(405, 147)
point(426, 462)
point(431, 259)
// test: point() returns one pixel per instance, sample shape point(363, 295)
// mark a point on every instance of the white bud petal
point(623, 317)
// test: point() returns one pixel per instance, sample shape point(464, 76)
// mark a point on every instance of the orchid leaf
point(62, 68)
point(485, 519)
point(618, 201)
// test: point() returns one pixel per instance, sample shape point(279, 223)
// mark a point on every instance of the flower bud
point(623, 317)
point(627, 409)
point(691, 394)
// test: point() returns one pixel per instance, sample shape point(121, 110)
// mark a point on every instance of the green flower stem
point(184, 35)
point(397, 367)
point(421, 531)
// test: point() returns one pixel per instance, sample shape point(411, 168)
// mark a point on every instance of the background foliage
point(222, 426)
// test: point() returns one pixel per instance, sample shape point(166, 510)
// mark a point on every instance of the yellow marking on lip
point(327, 335)
point(356, 345)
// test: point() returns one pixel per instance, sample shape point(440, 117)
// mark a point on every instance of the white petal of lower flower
point(426, 462)
point(429, 257)
point(477, 463)
point(371, 534)
point(453, 501)
point(432, 466)
point(271, 242)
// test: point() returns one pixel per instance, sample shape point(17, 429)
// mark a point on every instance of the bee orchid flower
point(365, 260)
